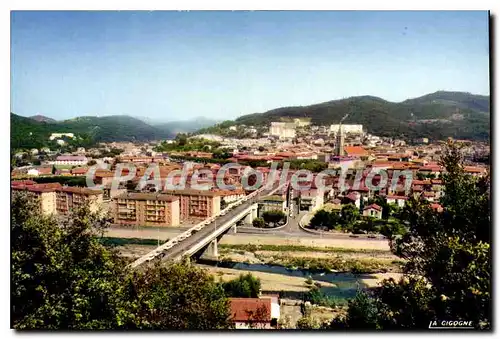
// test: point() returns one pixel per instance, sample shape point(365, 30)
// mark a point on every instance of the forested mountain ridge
point(29, 133)
point(437, 115)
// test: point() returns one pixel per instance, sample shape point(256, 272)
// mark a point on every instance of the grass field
point(130, 241)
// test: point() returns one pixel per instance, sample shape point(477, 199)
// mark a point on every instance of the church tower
point(339, 143)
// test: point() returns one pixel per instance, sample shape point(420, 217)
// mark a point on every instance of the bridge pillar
point(249, 217)
point(233, 229)
point(212, 251)
point(254, 212)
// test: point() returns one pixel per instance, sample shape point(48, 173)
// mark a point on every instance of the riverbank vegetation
point(245, 286)
point(314, 259)
point(298, 248)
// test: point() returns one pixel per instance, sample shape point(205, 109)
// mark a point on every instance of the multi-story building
point(76, 160)
point(142, 159)
point(283, 130)
point(45, 194)
point(69, 198)
point(271, 203)
point(197, 203)
point(57, 199)
point(311, 200)
point(109, 193)
point(146, 209)
point(348, 129)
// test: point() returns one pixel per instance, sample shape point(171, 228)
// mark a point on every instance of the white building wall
point(33, 172)
point(355, 129)
point(283, 130)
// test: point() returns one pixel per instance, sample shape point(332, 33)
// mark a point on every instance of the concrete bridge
point(204, 236)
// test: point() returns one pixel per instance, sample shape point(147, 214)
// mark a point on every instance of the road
point(291, 230)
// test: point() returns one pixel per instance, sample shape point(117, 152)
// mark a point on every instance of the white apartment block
point(60, 135)
point(71, 160)
point(354, 129)
point(283, 130)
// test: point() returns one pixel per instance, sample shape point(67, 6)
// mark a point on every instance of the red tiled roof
point(79, 170)
point(44, 170)
point(80, 190)
point(240, 308)
point(398, 155)
point(430, 168)
point(22, 182)
point(396, 197)
point(103, 174)
point(40, 188)
point(285, 154)
point(352, 196)
point(355, 150)
point(399, 166)
point(373, 206)
point(436, 206)
point(474, 169)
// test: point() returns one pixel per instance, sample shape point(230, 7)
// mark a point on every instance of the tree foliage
point(349, 215)
point(258, 222)
point(64, 278)
point(176, 297)
point(308, 323)
point(325, 219)
point(273, 216)
point(245, 286)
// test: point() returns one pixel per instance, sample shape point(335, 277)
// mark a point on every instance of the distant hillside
point(42, 118)
point(437, 115)
point(462, 100)
point(186, 126)
point(28, 133)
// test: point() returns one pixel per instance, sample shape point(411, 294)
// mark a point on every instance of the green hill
point(186, 126)
point(29, 133)
point(437, 115)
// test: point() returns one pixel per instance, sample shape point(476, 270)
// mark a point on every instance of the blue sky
point(180, 65)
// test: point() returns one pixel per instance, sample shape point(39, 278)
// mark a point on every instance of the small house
point(373, 210)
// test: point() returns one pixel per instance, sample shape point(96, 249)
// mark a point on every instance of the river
point(345, 284)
